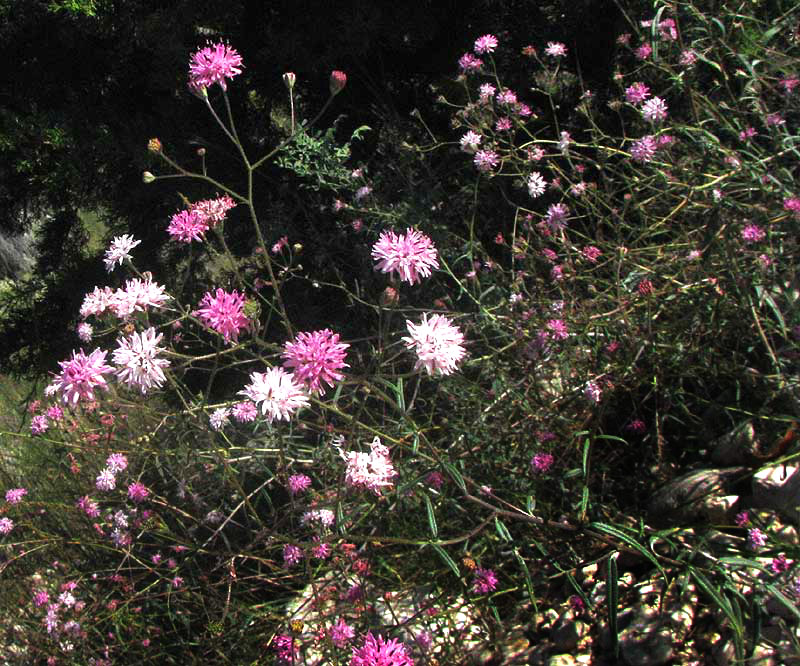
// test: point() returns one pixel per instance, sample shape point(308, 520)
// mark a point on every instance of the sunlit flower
point(637, 93)
point(213, 211)
point(437, 343)
point(277, 392)
point(85, 331)
point(378, 652)
point(341, 633)
point(224, 313)
point(138, 492)
point(412, 256)
point(485, 44)
point(118, 251)
point(470, 141)
point(81, 374)
point(188, 225)
point(373, 471)
point(485, 581)
point(291, 555)
point(213, 64)
point(6, 525)
point(15, 495)
point(536, 184)
point(245, 411)
point(316, 357)
point(752, 233)
point(137, 360)
point(486, 160)
point(654, 110)
point(468, 63)
point(555, 49)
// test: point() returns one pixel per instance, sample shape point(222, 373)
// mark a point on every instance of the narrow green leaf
point(585, 462)
point(783, 599)
point(446, 559)
point(629, 540)
point(401, 398)
point(456, 475)
point(431, 517)
point(725, 606)
point(612, 600)
point(502, 530)
point(528, 581)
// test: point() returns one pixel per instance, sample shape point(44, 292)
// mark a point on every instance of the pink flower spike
point(213, 64)
point(81, 375)
point(437, 343)
point(224, 313)
point(411, 256)
point(316, 357)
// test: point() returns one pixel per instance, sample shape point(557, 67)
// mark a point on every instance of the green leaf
point(446, 558)
point(456, 475)
point(528, 581)
point(783, 599)
point(630, 541)
point(431, 517)
point(502, 530)
point(612, 600)
point(724, 605)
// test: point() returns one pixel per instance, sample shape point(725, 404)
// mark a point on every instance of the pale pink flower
point(187, 225)
point(591, 253)
point(213, 64)
point(485, 44)
point(280, 244)
point(644, 150)
point(437, 343)
point(96, 302)
point(136, 358)
point(277, 391)
point(88, 506)
point(485, 92)
point(506, 96)
point(117, 462)
point(245, 411)
point(557, 329)
point(316, 357)
point(688, 58)
point(291, 555)
point(470, 142)
point(373, 471)
point(219, 418)
point(486, 160)
point(557, 216)
point(81, 375)
point(298, 483)
point(324, 517)
point(224, 313)
point(118, 251)
point(654, 110)
point(6, 525)
point(213, 211)
point(15, 495)
point(106, 480)
point(412, 256)
point(756, 539)
point(468, 63)
point(85, 331)
point(555, 49)
point(137, 296)
point(341, 633)
point(379, 652)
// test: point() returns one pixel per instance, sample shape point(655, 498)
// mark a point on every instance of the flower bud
point(154, 146)
point(389, 297)
point(337, 82)
point(201, 152)
point(148, 177)
point(289, 80)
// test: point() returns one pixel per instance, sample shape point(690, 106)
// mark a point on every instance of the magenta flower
point(506, 96)
point(117, 462)
point(137, 363)
point(277, 391)
point(39, 424)
point(291, 555)
point(792, 204)
point(592, 391)
point(753, 234)
point(485, 44)
point(486, 160)
point(756, 539)
point(298, 483)
point(337, 81)
point(224, 313)
point(285, 649)
point(644, 52)
point(373, 471)
point(88, 506)
point(437, 343)
point(81, 374)
point(557, 216)
point(542, 462)
point(654, 110)
point(316, 357)
point(118, 251)
point(341, 633)
point(15, 495)
point(138, 492)
point(485, 581)
point(245, 411)
point(412, 256)
point(468, 63)
point(637, 93)
point(213, 211)
point(213, 64)
point(188, 225)
point(591, 253)
point(378, 652)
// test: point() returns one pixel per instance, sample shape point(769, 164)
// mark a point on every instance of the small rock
point(567, 632)
point(697, 496)
point(737, 447)
point(647, 648)
point(778, 487)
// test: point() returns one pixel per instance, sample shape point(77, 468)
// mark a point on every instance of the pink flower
point(106, 480)
point(224, 313)
point(542, 462)
point(792, 204)
point(644, 51)
point(486, 160)
point(277, 391)
point(81, 374)
point(138, 492)
point(437, 343)
point(85, 331)
point(411, 256)
point(485, 44)
point(373, 471)
point(320, 550)
point(503, 124)
point(557, 216)
point(591, 253)
point(291, 555)
point(506, 96)
point(137, 362)
point(324, 517)
point(341, 633)
point(555, 49)
point(688, 58)
point(213, 211)
point(88, 506)
point(245, 411)
point(285, 648)
point(298, 483)
point(536, 184)
point(470, 142)
point(15, 495)
point(468, 63)
point(756, 539)
point(337, 82)
point(118, 251)
point(378, 652)
point(213, 64)
point(592, 392)
point(316, 357)
point(39, 424)
point(557, 329)
point(219, 418)
point(55, 413)
point(753, 234)
point(6, 525)
point(644, 150)
point(117, 462)
point(637, 425)
point(187, 225)
point(485, 92)
point(485, 581)
point(654, 110)
point(637, 93)
point(789, 83)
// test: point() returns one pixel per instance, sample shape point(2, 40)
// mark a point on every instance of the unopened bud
point(389, 297)
point(201, 152)
point(298, 248)
point(154, 146)
point(337, 82)
point(148, 177)
point(289, 80)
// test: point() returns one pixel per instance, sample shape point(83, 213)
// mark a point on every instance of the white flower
point(137, 365)
point(437, 343)
point(117, 252)
point(278, 393)
point(536, 184)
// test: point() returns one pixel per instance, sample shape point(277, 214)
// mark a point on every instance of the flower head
point(542, 462)
point(85, 331)
point(298, 483)
point(15, 495)
point(637, 93)
point(338, 80)
point(756, 538)
point(486, 160)
point(219, 418)
point(245, 411)
point(188, 225)
point(555, 49)
point(138, 492)
point(291, 555)
point(81, 374)
point(224, 313)
point(557, 216)
point(316, 357)
point(470, 142)
point(485, 44)
point(485, 581)
point(654, 110)
point(341, 633)
point(39, 424)
point(437, 343)
point(411, 255)
point(106, 480)
point(536, 184)
point(373, 471)
point(6, 525)
point(379, 652)
point(277, 391)
point(752, 233)
point(644, 150)
point(469, 63)
point(137, 362)
point(117, 462)
point(213, 211)
point(118, 251)
point(213, 64)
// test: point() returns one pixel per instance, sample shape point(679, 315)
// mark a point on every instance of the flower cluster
point(136, 296)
